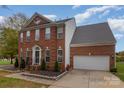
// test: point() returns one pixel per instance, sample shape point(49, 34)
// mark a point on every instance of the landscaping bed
point(46, 74)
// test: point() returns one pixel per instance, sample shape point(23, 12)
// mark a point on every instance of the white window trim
point(33, 54)
point(58, 32)
point(45, 55)
point(61, 56)
point(21, 53)
point(47, 33)
point(27, 50)
point(37, 38)
point(28, 32)
point(21, 37)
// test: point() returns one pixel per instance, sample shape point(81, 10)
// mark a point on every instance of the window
point(21, 53)
point(27, 52)
point(59, 33)
point(37, 34)
point(27, 56)
point(37, 55)
point(47, 55)
point(59, 55)
point(47, 33)
point(21, 37)
point(28, 35)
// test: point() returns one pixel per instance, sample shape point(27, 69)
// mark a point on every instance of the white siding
point(70, 27)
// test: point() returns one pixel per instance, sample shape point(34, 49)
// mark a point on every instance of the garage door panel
point(91, 62)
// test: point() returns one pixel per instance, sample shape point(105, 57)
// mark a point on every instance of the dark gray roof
point(64, 20)
point(93, 34)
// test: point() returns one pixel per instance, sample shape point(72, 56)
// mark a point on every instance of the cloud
point(119, 36)
point(2, 19)
point(104, 14)
point(116, 24)
point(92, 11)
point(75, 6)
point(52, 17)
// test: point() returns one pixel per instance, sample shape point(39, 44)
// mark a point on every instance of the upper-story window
point(37, 34)
point(47, 33)
point(28, 36)
point(59, 55)
point(59, 32)
point(21, 37)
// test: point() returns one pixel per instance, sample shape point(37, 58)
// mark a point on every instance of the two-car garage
point(91, 62)
point(93, 48)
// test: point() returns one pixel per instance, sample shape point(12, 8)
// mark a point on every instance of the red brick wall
point(53, 44)
point(108, 50)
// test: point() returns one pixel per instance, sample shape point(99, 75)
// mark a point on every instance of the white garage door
point(91, 62)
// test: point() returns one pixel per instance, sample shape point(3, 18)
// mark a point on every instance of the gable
point(37, 19)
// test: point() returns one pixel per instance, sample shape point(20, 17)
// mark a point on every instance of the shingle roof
point(64, 20)
point(93, 34)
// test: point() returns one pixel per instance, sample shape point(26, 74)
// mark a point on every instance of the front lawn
point(120, 70)
point(3, 73)
point(5, 62)
point(6, 82)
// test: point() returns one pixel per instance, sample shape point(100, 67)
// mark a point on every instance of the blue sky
point(83, 14)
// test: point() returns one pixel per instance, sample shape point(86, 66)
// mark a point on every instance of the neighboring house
point(85, 47)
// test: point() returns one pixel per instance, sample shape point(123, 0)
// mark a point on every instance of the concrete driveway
point(8, 67)
point(86, 79)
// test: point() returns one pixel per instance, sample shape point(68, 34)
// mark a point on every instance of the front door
point(37, 57)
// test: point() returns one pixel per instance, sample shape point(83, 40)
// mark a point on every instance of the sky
point(84, 14)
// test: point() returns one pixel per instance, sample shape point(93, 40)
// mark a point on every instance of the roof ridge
point(93, 24)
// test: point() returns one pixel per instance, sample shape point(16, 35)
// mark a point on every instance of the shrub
point(43, 65)
point(22, 64)
point(16, 63)
point(57, 67)
point(114, 70)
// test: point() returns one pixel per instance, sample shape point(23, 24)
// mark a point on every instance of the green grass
point(5, 62)
point(3, 73)
point(120, 70)
point(6, 82)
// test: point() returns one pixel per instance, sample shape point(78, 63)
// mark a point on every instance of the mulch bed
point(47, 73)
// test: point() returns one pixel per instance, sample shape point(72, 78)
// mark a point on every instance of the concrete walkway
point(78, 79)
point(8, 67)
point(88, 79)
point(33, 79)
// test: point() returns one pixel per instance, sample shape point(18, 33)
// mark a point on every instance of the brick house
point(85, 47)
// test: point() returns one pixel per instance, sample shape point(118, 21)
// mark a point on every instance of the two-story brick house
point(40, 38)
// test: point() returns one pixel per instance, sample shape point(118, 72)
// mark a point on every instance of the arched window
point(37, 48)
